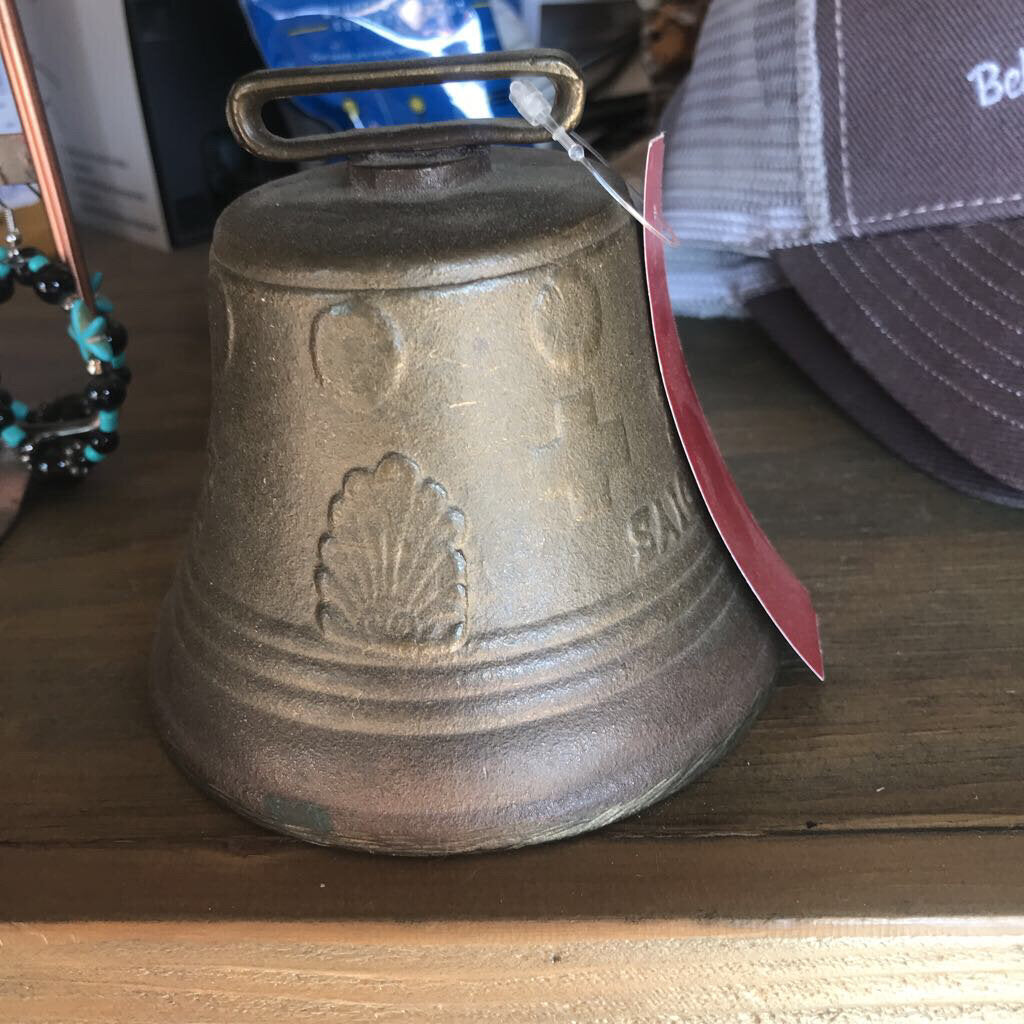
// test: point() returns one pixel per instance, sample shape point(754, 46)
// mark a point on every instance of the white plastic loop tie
point(535, 108)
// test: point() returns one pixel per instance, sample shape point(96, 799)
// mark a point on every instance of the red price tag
point(781, 594)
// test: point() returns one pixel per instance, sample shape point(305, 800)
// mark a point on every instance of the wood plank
point(918, 873)
point(823, 972)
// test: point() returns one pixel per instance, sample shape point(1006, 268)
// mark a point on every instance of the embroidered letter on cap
point(992, 84)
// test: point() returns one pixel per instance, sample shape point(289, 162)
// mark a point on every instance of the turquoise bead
point(13, 435)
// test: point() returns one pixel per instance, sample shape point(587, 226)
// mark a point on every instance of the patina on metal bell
point(449, 585)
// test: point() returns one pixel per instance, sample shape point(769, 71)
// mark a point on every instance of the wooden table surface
point(858, 856)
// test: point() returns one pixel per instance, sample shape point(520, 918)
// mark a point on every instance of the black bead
point(106, 392)
point(48, 458)
point(77, 407)
point(5, 397)
point(45, 413)
point(53, 283)
point(6, 416)
point(104, 441)
point(63, 409)
point(6, 287)
point(118, 336)
point(58, 457)
point(74, 456)
point(73, 450)
point(123, 374)
point(21, 272)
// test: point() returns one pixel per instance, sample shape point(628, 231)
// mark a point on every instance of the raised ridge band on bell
point(487, 649)
point(558, 677)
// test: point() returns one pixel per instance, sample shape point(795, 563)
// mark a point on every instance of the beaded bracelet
point(52, 440)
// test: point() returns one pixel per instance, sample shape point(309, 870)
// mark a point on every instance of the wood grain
point(822, 973)
point(919, 873)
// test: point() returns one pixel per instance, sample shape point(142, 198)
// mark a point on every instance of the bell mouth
point(418, 170)
point(459, 753)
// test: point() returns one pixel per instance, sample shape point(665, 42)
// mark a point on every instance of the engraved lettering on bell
point(356, 350)
point(567, 342)
point(390, 566)
point(659, 526)
point(576, 423)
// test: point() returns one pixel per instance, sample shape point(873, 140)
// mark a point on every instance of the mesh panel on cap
point(738, 164)
point(711, 282)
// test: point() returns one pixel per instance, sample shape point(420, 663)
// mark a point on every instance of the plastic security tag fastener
point(535, 109)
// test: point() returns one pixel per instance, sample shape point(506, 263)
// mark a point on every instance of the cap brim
point(936, 317)
point(796, 330)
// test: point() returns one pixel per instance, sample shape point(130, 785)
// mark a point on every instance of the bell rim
point(431, 794)
point(533, 824)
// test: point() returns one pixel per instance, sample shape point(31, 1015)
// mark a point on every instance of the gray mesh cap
point(873, 155)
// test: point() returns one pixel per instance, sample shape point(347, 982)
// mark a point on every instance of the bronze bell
point(449, 585)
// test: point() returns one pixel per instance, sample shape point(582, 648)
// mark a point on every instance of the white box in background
point(83, 61)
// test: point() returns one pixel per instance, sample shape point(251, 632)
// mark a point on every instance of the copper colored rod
point(25, 90)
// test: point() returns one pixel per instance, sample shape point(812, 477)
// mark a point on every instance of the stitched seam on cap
point(844, 147)
point(981, 307)
point(895, 343)
point(922, 293)
point(997, 256)
point(955, 204)
point(811, 235)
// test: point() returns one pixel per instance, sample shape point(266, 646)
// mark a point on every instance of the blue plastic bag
point(298, 33)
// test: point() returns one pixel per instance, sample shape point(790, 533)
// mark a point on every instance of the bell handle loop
point(253, 91)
